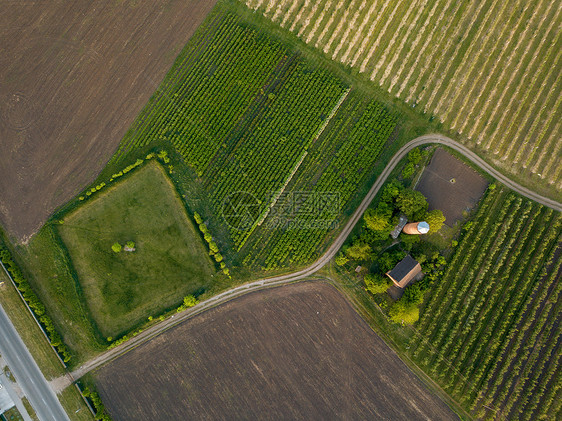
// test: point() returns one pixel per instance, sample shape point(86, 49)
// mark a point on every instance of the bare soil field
point(451, 186)
point(294, 352)
point(73, 76)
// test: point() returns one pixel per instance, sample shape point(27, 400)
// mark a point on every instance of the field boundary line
point(323, 260)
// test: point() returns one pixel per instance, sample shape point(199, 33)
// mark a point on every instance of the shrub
point(341, 259)
point(435, 219)
point(190, 301)
point(379, 219)
point(358, 251)
point(413, 294)
point(414, 156)
point(408, 170)
point(404, 312)
point(376, 284)
point(130, 244)
point(116, 247)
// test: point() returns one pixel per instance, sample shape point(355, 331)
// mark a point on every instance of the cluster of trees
point(95, 400)
point(396, 199)
point(188, 302)
point(116, 247)
point(414, 158)
point(34, 304)
point(213, 248)
point(374, 237)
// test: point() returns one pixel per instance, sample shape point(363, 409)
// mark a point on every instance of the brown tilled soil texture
point(451, 186)
point(293, 352)
point(73, 76)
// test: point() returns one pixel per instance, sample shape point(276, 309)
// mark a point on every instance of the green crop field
point(490, 329)
point(249, 115)
point(93, 293)
point(489, 70)
point(169, 261)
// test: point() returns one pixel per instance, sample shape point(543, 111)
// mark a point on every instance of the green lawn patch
point(169, 261)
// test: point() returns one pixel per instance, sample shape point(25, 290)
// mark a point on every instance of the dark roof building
point(406, 270)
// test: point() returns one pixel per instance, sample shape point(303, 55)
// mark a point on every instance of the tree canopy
point(435, 219)
point(412, 203)
point(358, 251)
point(379, 219)
point(376, 284)
point(402, 311)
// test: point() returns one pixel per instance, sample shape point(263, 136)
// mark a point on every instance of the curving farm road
point(318, 264)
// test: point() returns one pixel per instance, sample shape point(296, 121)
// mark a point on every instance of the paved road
point(29, 377)
point(323, 260)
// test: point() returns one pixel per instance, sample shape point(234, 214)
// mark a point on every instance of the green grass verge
point(169, 261)
point(29, 409)
point(28, 330)
point(74, 405)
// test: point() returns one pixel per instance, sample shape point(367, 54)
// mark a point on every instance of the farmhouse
point(406, 270)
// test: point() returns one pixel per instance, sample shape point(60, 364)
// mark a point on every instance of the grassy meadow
point(169, 261)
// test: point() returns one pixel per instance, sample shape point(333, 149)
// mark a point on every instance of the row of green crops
point(260, 162)
point(331, 174)
point(490, 331)
point(249, 116)
point(212, 83)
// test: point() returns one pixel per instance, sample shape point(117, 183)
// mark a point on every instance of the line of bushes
point(213, 248)
point(34, 303)
point(188, 302)
point(95, 400)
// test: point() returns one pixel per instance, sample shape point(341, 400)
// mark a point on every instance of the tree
point(341, 259)
point(218, 257)
point(197, 218)
point(116, 247)
point(130, 244)
point(435, 219)
point(412, 203)
point(408, 170)
point(379, 219)
point(405, 312)
point(358, 251)
point(213, 247)
point(189, 301)
point(415, 156)
point(389, 259)
point(376, 284)
point(391, 191)
point(413, 294)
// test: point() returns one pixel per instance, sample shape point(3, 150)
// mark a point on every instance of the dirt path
point(313, 268)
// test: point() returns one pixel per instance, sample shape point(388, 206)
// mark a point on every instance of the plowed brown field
point(73, 76)
point(294, 352)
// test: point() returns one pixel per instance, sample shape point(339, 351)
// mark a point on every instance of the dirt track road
point(316, 266)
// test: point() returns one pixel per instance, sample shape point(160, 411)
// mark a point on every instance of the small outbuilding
point(404, 272)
